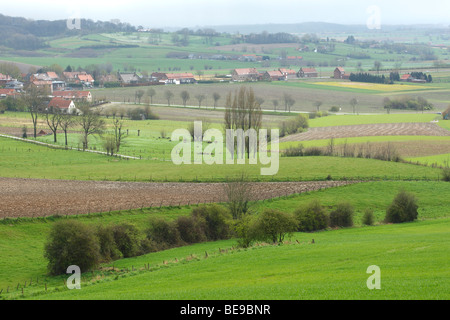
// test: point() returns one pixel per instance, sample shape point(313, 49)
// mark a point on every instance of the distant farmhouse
point(307, 73)
point(288, 73)
point(173, 78)
point(339, 73)
point(66, 106)
point(246, 74)
point(275, 75)
point(73, 95)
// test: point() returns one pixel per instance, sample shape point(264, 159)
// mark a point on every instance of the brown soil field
point(365, 130)
point(39, 198)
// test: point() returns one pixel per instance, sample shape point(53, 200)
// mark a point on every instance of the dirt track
point(37, 198)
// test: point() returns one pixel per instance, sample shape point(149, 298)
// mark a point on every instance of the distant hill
point(23, 34)
point(312, 27)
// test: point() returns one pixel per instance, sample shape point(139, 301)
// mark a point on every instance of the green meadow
point(334, 267)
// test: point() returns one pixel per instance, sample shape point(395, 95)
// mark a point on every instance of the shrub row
point(71, 242)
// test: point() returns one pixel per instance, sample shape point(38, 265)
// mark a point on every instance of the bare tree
point(288, 102)
point(169, 95)
point(353, 103)
point(119, 134)
point(67, 121)
point(377, 65)
point(151, 93)
point(139, 94)
point(275, 104)
point(243, 112)
point(216, 98)
point(238, 192)
point(200, 98)
point(34, 100)
point(185, 97)
point(317, 104)
point(53, 118)
point(91, 123)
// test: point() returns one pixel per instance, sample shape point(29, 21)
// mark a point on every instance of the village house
point(246, 74)
point(66, 106)
point(73, 95)
point(129, 78)
point(15, 85)
point(4, 79)
point(275, 75)
point(288, 73)
point(339, 73)
point(4, 93)
point(45, 85)
point(173, 78)
point(307, 73)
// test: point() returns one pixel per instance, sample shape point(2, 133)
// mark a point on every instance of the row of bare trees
point(87, 119)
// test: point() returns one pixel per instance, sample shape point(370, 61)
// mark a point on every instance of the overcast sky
point(192, 13)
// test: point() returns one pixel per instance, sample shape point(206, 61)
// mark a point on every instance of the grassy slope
point(20, 159)
point(23, 240)
point(412, 259)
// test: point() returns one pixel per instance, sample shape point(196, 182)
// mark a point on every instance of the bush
point(312, 217)
point(342, 216)
point(214, 220)
point(127, 239)
point(402, 209)
point(163, 233)
point(295, 125)
point(294, 151)
point(368, 217)
point(273, 225)
point(190, 230)
point(108, 247)
point(244, 231)
point(71, 243)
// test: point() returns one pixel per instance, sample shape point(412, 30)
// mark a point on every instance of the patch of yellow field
point(375, 86)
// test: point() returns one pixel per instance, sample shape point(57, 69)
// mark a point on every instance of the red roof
point(275, 73)
point(246, 71)
point(52, 75)
point(341, 69)
point(287, 71)
point(405, 77)
point(59, 103)
point(85, 77)
point(71, 94)
point(7, 92)
point(309, 70)
point(179, 75)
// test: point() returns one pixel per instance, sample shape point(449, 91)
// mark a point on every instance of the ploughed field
point(39, 197)
point(365, 130)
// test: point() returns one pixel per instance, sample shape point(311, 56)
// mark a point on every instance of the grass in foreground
point(22, 240)
point(411, 256)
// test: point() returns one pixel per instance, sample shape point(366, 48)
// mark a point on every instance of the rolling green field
point(342, 255)
point(33, 161)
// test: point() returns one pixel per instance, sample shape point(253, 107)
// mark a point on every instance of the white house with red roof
point(66, 106)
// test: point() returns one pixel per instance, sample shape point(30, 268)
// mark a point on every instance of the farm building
point(173, 78)
point(308, 73)
point(74, 95)
point(78, 77)
point(275, 75)
point(288, 73)
point(246, 74)
point(129, 78)
point(46, 85)
point(66, 106)
point(406, 77)
point(339, 73)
